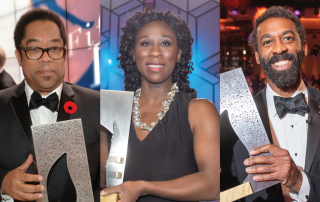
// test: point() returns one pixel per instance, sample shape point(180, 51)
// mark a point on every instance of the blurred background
point(203, 18)
point(236, 24)
point(82, 22)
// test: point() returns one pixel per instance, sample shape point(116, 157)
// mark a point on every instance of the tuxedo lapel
point(261, 103)
point(313, 128)
point(67, 94)
point(21, 110)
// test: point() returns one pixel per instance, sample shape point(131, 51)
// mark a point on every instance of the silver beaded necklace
point(136, 112)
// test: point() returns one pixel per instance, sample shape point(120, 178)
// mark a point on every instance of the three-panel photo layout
point(160, 100)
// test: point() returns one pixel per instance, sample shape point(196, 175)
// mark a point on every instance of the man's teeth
point(282, 62)
point(155, 66)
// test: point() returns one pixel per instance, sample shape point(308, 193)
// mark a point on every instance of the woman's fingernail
point(40, 196)
point(246, 162)
point(248, 169)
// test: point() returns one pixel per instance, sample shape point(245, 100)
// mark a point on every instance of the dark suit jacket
point(233, 153)
point(6, 80)
point(16, 138)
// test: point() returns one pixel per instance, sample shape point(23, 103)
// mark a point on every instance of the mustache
point(283, 56)
point(46, 67)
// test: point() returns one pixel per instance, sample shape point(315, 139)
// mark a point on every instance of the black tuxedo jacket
point(233, 152)
point(6, 80)
point(16, 137)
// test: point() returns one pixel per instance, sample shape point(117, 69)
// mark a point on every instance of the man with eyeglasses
point(40, 41)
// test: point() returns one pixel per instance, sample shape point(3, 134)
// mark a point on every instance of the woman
point(173, 149)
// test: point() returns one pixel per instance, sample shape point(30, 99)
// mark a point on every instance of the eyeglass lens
point(36, 53)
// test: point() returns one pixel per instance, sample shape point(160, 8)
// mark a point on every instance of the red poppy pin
point(70, 107)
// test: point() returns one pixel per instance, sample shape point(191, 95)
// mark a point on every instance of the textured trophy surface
point(116, 109)
point(235, 97)
point(51, 141)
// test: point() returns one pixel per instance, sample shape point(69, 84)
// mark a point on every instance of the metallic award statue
point(51, 142)
point(235, 97)
point(116, 108)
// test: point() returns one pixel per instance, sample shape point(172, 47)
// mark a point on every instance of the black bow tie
point(295, 104)
point(51, 102)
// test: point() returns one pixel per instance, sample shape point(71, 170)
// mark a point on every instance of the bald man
point(5, 79)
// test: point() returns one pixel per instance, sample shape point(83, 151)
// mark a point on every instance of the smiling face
point(45, 74)
point(280, 52)
point(156, 52)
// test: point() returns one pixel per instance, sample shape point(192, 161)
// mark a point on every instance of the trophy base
point(110, 198)
point(236, 193)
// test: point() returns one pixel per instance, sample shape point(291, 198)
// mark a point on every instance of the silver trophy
point(235, 97)
point(52, 141)
point(116, 109)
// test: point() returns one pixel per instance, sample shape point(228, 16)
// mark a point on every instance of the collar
point(270, 101)
point(29, 92)
point(1, 69)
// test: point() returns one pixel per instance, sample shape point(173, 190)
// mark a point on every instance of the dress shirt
point(291, 132)
point(42, 115)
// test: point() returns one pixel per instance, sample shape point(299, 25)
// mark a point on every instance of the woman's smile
point(155, 67)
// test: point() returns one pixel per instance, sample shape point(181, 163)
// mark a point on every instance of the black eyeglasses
point(35, 53)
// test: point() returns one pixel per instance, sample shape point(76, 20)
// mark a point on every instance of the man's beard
point(285, 78)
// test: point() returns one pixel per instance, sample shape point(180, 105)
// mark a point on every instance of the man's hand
point(14, 184)
point(128, 191)
point(279, 166)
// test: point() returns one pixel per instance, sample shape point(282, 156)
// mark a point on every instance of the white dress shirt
point(42, 115)
point(291, 132)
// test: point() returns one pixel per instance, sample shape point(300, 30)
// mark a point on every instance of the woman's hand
point(128, 191)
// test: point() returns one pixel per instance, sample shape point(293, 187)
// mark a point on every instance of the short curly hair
point(34, 15)
point(276, 12)
point(179, 25)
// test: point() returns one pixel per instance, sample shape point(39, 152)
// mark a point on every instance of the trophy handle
point(110, 198)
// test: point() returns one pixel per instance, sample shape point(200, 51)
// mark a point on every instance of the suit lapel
point(20, 109)
point(67, 94)
point(261, 103)
point(313, 128)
